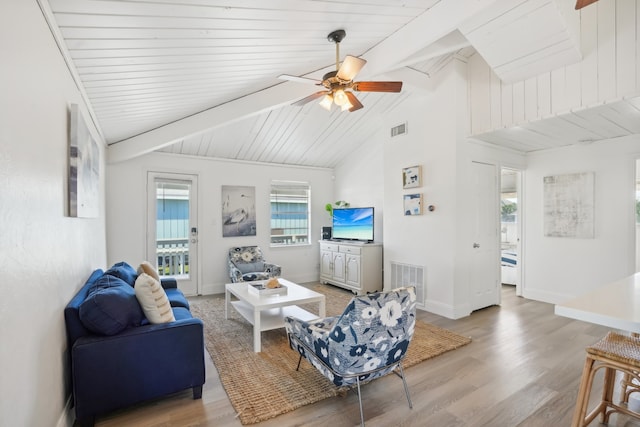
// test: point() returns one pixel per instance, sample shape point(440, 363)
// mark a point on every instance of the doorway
point(637, 215)
point(172, 228)
point(510, 228)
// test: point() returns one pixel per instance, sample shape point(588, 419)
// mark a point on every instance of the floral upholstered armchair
point(246, 263)
point(369, 340)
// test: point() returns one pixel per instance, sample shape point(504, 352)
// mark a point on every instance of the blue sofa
point(129, 360)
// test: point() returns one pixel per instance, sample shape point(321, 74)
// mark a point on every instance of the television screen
point(353, 224)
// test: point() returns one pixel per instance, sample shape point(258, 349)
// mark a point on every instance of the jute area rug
point(266, 384)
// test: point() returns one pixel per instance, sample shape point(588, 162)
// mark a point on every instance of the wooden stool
point(627, 383)
point(614, 352)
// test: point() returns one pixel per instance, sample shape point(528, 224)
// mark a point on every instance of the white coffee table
point(268, 312)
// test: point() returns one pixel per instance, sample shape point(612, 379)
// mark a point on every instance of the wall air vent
point(409, 275)
point(401, 129)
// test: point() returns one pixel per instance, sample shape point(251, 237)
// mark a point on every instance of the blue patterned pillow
point(251, 267)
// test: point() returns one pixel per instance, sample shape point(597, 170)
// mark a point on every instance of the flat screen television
point(353, 224)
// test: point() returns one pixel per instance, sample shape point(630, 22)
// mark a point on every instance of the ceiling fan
point(339, 84)
point(582, 3)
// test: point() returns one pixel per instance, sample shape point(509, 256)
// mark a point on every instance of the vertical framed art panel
point(238, 211)
point(84, 168)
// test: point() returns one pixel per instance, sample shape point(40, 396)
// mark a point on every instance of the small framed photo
point(412, 177)
point(413, 204)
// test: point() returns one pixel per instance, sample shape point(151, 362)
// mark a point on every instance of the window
point(289, 213)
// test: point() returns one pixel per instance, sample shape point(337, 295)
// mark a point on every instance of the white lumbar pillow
point(146, 267)
point(153, 299)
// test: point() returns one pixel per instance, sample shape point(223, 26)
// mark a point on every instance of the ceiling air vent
point(401, 129)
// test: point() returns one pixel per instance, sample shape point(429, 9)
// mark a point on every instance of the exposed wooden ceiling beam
point(273, 97)
point(434, 24)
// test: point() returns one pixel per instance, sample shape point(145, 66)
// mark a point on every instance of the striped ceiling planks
point(146, 64)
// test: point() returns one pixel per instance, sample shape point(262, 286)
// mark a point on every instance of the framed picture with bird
point(238, 211)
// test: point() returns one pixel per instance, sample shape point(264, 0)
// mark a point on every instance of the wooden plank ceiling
point(153, 71)
point(608, 121)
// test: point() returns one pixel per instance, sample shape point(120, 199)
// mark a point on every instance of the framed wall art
point(412, 177)
point(238, 211)
point(569, 205)
point(413, 204)
point(84, 168)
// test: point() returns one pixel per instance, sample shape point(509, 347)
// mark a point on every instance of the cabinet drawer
point(329, 247)
point(350, 250)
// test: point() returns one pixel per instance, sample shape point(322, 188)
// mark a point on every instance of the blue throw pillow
point(251, 267)
point(110, 306)
point(123, 271)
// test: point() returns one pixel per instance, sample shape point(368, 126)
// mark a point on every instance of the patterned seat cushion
point(248, 277)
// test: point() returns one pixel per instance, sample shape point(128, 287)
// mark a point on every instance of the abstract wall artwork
point(569, 205)
point(238, 211)
point(84, 169)
point(412, 177)
point(413, 204)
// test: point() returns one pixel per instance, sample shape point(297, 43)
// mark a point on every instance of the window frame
point(276, 189)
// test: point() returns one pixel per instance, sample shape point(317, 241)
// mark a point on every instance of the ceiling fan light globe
point(326, 102)
point(340, 98)
point(346, 106)
point(350, 67)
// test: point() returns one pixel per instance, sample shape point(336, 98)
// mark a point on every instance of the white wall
point(360, 180)
point(426, 240)
point(46, 255)
point(557, 268)
point(127, 221)
point(554, 268)
point(436, 140)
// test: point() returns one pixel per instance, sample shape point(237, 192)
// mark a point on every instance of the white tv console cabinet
point(353, 266)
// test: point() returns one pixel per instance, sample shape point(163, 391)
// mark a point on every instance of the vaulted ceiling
point(200, 77)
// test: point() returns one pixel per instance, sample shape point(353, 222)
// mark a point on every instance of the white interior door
point(484, 245)
point(172, 227)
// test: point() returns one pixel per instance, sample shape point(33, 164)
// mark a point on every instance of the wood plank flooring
point(522, 369)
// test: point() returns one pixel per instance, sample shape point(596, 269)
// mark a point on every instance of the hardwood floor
point(522, 369)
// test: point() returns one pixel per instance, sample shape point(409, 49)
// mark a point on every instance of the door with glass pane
point(172, 231)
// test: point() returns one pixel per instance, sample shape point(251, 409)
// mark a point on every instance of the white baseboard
point(67, 418)
point(446, 310)
point(545, 296)
point(211, 288)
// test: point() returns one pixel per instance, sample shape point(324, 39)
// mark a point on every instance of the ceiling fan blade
point(310, 98)
point(350, 67)
point(582, 3)
point(377, 86)
point(356, 105)
point(299, 79)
